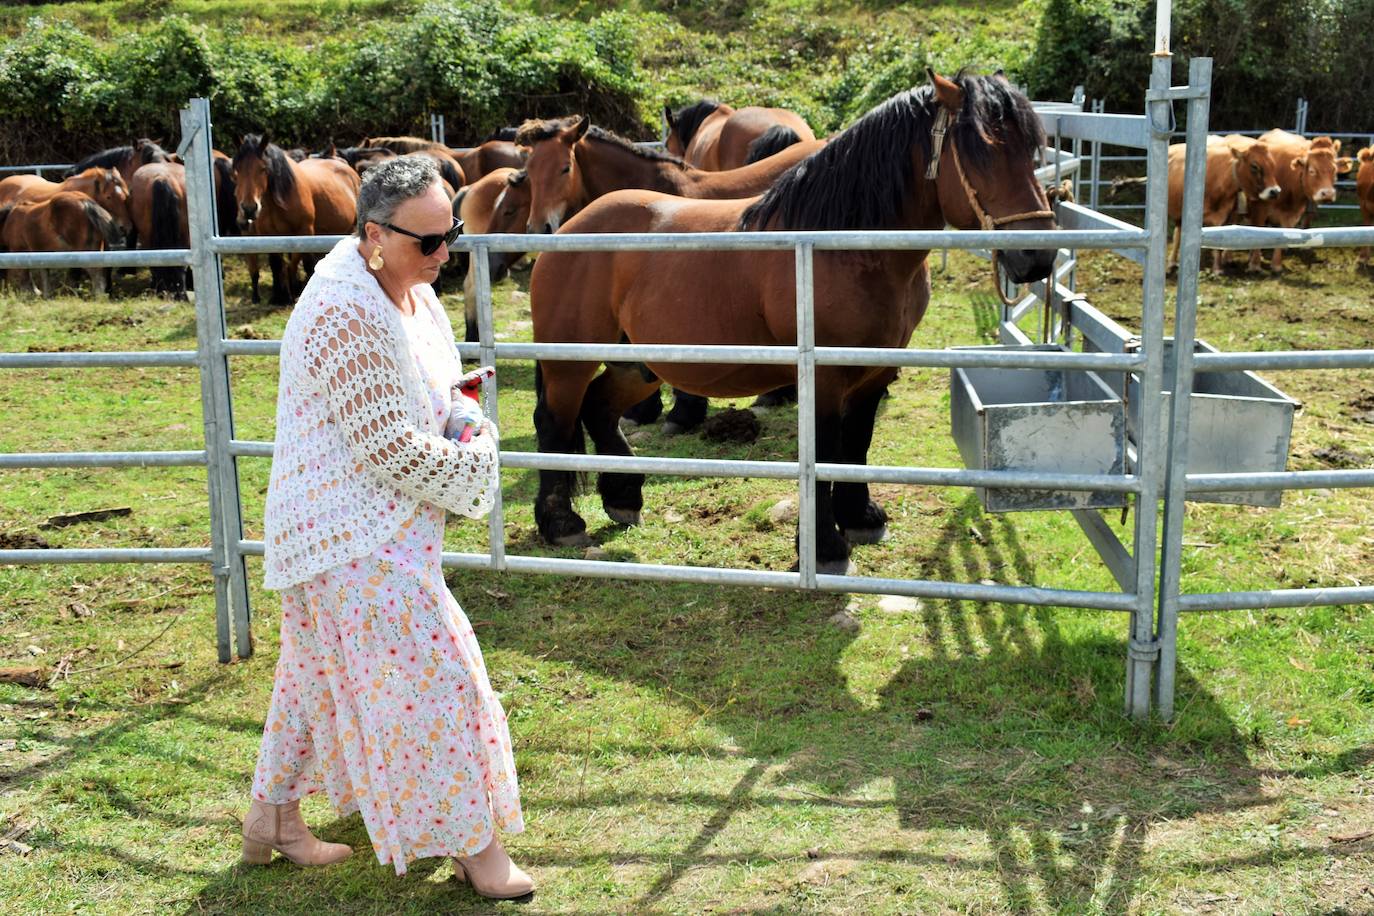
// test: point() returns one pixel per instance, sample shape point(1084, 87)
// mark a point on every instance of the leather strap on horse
point(984, 220)
point(937, 145)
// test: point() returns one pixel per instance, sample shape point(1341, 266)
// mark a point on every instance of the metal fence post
point(1185, 328)
point(1142, 650)
point(226, 520)
point(479, 261)
point(806, 416)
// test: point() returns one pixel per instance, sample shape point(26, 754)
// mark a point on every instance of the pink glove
point(465, 413)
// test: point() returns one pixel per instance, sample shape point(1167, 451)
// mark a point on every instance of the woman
point(381, 698)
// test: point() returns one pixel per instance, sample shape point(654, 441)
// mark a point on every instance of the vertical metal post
point(1142, 650)
point(1099, 106)
point(486, 335)
point(806, 416)
point(1185, 328)
point(1078, 99)
point(226, 508)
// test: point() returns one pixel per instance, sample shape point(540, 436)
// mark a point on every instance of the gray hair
point(391, 183)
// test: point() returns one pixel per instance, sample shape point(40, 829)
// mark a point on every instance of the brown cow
point(1364, 190)
point(1307, 171)
point(497, 202)
point(1239, 170)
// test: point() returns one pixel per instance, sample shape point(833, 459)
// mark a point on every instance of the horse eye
point(567, 169)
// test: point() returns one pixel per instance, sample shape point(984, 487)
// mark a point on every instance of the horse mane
point(860, 178)
point(149, 151)
point(532, 132)
point(105, 159)
point(501, 133)
point(688, 118)
point(281, 180)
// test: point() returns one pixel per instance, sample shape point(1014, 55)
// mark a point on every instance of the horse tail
point(226, 204)
point(448, 172)
point(103, 223)
point(166, 217)
point(773, 140)
point(4, 217)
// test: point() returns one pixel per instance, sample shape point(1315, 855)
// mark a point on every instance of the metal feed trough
point(1048, 420)
point(1243, 423)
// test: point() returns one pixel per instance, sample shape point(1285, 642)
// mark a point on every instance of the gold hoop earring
point(376, 262)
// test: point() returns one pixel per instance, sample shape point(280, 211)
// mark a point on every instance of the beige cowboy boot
point(281, 827)
point(492, 874)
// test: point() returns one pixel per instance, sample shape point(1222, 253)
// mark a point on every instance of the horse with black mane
point(279, 197)
point(887, 171)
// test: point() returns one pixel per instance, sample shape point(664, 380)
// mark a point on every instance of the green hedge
point(1266, 54)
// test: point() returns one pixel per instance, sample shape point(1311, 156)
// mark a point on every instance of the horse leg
point(294, 284)
point(45, 278)
point(620, 385)
point(559, 389)
point(647, 410)
point(832, 550)
point(252, 261)
point(689, 412)
point(281, 289)
point(778, 397)
point(99, 281)
point(470, 333)
point(861, 520)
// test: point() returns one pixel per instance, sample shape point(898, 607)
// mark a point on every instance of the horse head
point(260, 167)
point(983, 142)
point(555, 187)
point(113, 194)
point(683, 124)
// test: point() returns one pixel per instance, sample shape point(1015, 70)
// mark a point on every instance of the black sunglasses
point(430, 243)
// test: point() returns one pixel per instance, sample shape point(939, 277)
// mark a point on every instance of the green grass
point(687, 749)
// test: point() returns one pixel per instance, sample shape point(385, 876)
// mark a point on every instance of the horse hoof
point(843, 567)
point(865, 535)
point(629, 517)
point(576, 539)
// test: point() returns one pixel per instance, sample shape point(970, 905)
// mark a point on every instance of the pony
point(66, 221)
point(886, 171)
point(157, 200)
point(279, 197)
point(572, 163)
point(103, 185)
point(489, 156)
point(497, 202)
point(125, 159)
point(714, 136)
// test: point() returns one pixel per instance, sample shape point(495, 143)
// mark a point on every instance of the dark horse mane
point(148, 151)
point(688, 118)
point(860, 178)
point(281, 181)
point(534, 131)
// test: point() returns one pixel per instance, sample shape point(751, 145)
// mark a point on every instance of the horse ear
point(668, 116)
point(947, 91)
point(580, 128)
point(1000, 75)
point(517, 178)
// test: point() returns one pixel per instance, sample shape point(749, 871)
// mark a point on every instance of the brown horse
point(66, 221)
point(279, 197)
point(105, 186)
point(872, 176)
point(497, 202)
point(403, 145)
point(482, 160)
point(571, 163)
point(716, 137)
point(157, 199)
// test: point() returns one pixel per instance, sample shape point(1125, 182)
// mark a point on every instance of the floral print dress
point(381, 697)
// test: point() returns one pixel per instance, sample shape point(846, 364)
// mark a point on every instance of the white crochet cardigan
point(357, 445)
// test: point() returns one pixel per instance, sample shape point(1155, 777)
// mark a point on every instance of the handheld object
point(470, 385)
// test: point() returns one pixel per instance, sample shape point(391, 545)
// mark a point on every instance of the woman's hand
point(465, 419)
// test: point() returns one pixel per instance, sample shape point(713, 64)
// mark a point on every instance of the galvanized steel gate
point(1153, 605)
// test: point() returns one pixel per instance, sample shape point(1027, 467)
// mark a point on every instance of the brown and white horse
point(279, 197)
point(716, 137)
point(872, 176)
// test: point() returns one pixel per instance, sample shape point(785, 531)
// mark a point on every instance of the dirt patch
point(732, 425)
point(1338, 457)
point(22, 541)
